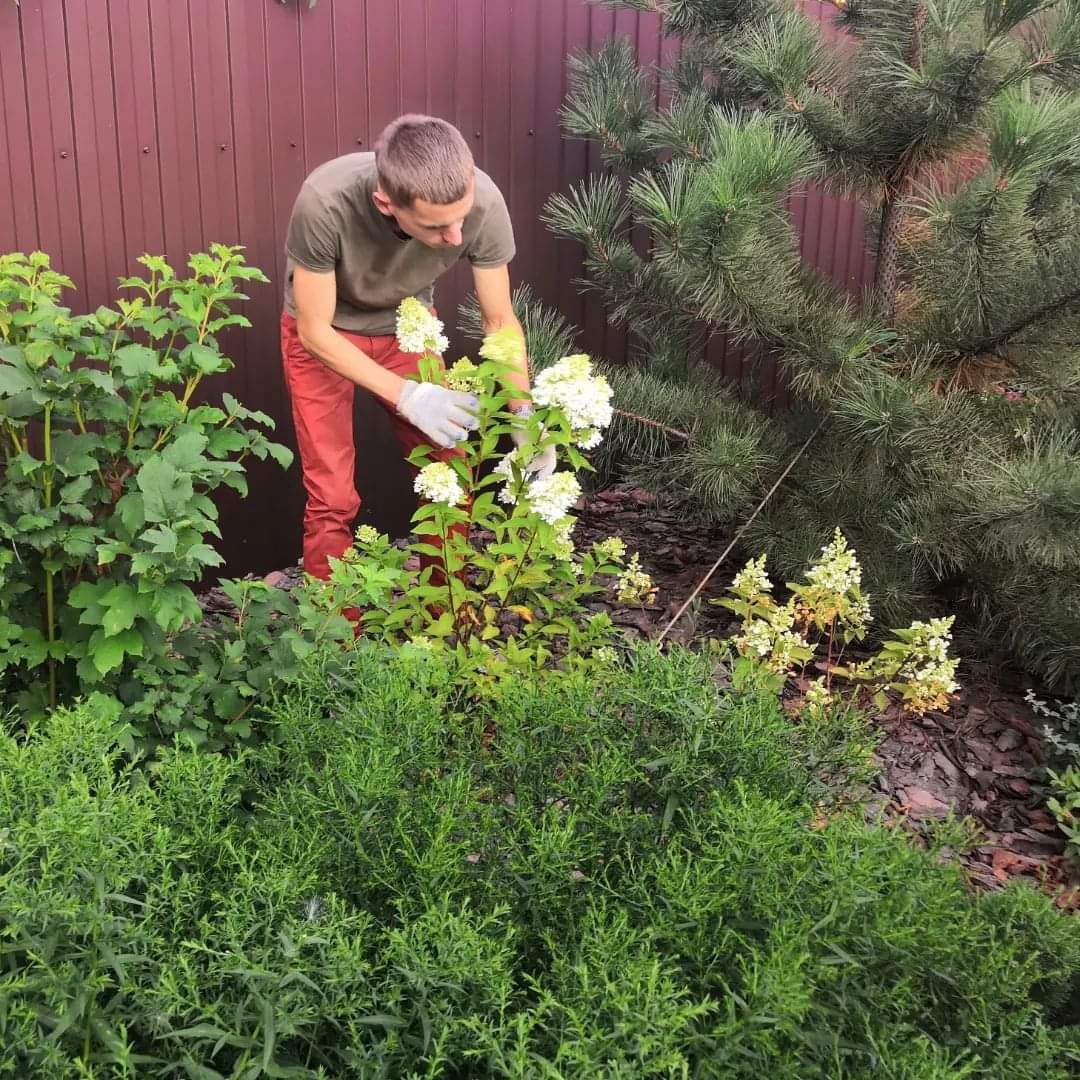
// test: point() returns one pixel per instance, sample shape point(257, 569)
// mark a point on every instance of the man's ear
point(382, 202)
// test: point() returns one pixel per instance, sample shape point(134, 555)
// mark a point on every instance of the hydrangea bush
point(501, 580)
point(827, 612)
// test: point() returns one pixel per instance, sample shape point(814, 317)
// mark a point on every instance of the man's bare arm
point(315, 296)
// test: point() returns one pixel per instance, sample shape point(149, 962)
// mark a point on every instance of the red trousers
point(322, 406)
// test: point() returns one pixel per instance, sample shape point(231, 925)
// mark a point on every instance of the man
point(367, 231)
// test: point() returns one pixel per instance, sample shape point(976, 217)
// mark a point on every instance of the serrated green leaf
point(281, 454)
point(185, 452)
point(14, 381)
point(121, 607)
point(166, 491)
point(136, 361)
point(132, 512)
point(162, 539)
point(175, 604)
point(108, 651)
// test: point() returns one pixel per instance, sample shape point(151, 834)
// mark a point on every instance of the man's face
point(432, 224)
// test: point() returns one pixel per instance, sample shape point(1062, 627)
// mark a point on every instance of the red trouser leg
point(322, 405)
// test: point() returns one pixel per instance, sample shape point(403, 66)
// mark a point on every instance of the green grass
point(623, 882)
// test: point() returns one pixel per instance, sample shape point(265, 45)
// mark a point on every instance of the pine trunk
point(887, 273)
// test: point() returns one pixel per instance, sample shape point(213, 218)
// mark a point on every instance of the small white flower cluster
point(613, 548)
point(752, 580)
point(832, 594)
point(837, 570)
point(367, 534)
point(818, 697)
point(633, 585)
point(563, 546)
point(551, 497)
point(422, 641)
point(928, 670)
point(605, 654)
point(418, 331)
point(585, 398)
point(463, 376)
point(773, 639)
point(506, 468)
point(439, 483)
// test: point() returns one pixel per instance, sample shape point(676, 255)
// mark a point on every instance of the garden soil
point(981, 759)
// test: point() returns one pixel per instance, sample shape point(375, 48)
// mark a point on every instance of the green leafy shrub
point(828, 610)
point(504, 587)
point(106, 519)
point(1065, 806)
point(588, 875)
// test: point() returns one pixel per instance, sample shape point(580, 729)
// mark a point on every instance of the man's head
point(426, 179)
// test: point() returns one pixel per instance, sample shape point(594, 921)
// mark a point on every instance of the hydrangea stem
point(445, 534)
point(50, 598)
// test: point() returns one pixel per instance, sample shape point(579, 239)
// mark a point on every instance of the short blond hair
point(423, 157)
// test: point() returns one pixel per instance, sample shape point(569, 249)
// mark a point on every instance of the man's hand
point(444, 416)
point(542, 464)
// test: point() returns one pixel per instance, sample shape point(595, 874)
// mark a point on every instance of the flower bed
point(621, 876)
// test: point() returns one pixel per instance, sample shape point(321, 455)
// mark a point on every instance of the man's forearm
point(343, 357)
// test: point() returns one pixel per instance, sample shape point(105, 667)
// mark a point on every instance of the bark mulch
point(982, 759)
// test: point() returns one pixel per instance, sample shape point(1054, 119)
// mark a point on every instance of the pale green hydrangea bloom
point(418, 331)
point(438, 483)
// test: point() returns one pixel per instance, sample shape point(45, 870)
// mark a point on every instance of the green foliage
point(949, 393)
point(499, 580)
point(1065, 806)
point(106, 519)
point(622, 876)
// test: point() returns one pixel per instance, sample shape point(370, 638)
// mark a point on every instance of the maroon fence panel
point(131, 126)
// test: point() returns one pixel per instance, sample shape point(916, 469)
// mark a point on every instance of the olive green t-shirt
point(336, 226)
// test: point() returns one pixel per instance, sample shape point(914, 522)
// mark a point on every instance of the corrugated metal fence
point(133, 126)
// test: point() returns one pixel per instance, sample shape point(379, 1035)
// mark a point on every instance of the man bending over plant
point(366, 232)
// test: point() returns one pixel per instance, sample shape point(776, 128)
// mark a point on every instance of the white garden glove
point(444, 416)
point(543, 464)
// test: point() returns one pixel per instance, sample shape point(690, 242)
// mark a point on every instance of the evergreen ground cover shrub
point(616, 873)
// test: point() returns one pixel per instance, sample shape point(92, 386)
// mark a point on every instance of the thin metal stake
point(738, 536)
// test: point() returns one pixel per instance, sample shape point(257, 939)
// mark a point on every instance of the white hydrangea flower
point(439, 483)
point(818, 696)
point(633, 584)
point(463, 376)
point(585, 398)
point(506, 468)
point(563, 546)
point(838, 569)
point(421, 641)
point(756, 638)
point(752, 580)
point(605, 654)
point(614, 548)
point(928, 669)
point(367, 534)
point(551, 497)
point(418, 331)
point(773, 639)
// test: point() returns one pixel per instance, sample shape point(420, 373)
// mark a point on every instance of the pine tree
point(949, 393)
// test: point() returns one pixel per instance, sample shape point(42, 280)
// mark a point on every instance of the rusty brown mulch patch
point(981, 759)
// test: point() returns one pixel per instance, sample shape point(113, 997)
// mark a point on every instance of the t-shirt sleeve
point(313, 236)
point(494, 243)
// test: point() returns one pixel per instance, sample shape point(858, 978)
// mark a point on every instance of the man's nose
point(452, 236)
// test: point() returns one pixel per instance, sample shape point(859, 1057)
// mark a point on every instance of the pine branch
point(1040, 314)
